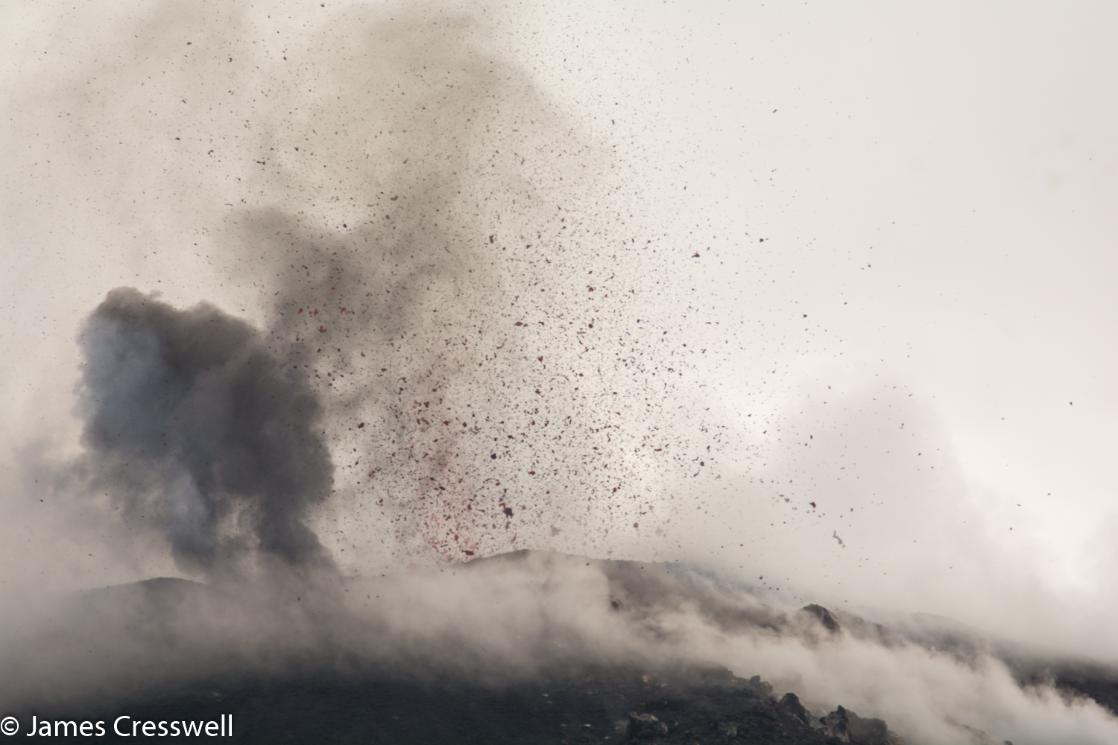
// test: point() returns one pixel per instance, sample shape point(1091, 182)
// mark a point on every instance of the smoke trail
point(195, 427)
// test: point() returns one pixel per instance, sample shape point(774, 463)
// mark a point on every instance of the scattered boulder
point(759, 687)
point(645, 726)
point(846, 726)
point(835, 724)
point(790, 703)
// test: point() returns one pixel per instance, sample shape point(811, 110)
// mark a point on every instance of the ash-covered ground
point(536, 647)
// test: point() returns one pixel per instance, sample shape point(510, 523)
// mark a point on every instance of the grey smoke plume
point(195, 427)
point(451, 258)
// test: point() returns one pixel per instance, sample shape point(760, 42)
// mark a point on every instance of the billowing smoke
point(195, 427)
point(424, 239)
point(519, 618)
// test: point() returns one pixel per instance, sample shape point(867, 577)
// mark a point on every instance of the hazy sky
point(905, 215)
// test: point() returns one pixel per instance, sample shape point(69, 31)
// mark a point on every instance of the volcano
point(483, 654)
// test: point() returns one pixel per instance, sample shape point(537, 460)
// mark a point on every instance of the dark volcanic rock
point(569, 707)
point(846, 726)
point(178, 650)
point(823, 616)
point(790, 703)
point(645, 726)
point(1096, 682)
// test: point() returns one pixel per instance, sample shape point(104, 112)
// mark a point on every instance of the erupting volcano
point(416, 373)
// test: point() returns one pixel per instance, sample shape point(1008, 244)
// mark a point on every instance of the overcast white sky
point(935, 184)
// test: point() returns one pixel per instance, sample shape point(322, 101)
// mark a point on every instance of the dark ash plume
point(195, 427)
